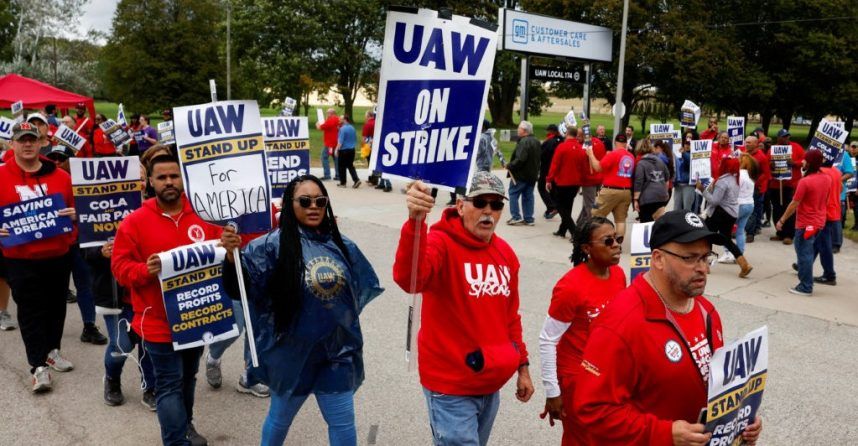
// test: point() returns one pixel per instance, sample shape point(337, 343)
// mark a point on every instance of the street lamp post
point(618, 117)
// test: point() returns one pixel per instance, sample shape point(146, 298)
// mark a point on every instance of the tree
point(8, 21)
point(163, 52)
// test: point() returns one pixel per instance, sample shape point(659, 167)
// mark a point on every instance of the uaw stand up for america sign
point(287, 150)
point(737, 379)
point(105, 190)
point(435, 75)
point(198, 309)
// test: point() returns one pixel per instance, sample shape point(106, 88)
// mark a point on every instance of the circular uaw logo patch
point(673, 351)
point(694, 220)
point(324, 277)
point(196, 233)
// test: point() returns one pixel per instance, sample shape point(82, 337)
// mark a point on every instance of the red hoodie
point(144, 232)
point(470, 302)
point(568, 164)
point(17, 185)
point(639, 375)
point(330, 130)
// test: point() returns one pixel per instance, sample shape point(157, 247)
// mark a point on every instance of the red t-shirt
point(693, 327)
point(797, 158)
point(765, 169)
point(833, 209)
point(578, 298)
point(718, 155)
point(618, 166)
point(568, 164)
point(591, 177)
point(330, 128)
point(812, 196)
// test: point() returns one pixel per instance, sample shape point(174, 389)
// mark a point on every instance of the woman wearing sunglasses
point(306, 286)
point(577, 299)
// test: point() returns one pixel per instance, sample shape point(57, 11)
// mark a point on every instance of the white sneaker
point(57, 362)
point(6, 321)
point(726, 258)
point(41, 380)
point(258, 390)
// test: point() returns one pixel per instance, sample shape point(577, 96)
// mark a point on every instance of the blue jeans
point(326, 166)
point(82, 283)
point(823, 248)
point(175, 379)
point(461, 420)
point(683, 197)
point(119, 342)
point(338, 410)
point(217, 349)
point(755, 223)
point(525, 191)
point(745, 213)
point(804, 257)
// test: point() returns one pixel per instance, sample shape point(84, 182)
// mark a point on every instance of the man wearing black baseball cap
point(646, 364)
point(553, 138)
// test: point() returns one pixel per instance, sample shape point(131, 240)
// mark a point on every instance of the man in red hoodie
point(38, 272)
point(161, 224)
point(330, 136)
point(470, 340)
point(646, 363)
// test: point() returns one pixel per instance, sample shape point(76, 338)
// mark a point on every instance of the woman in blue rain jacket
point(306, 286)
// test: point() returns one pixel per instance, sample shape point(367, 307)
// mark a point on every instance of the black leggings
point(645, 215)
point(722, 223)
point(346, 160)
point(564, 197)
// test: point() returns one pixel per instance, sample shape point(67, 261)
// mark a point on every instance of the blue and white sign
point(689, 114)
point(736, 131)
point(198, 309)
point(780, 157)
point(641, 254)
point(538, 34)
point(435, 76)
point(701, 161)
point(828, 138)
point(287, 151)
point(18, 111)
point(31, 220)
point(737, 379)
point(222, 154)
point(106, 190)
point(68, 137)
point(6, 125)
point(115, 133)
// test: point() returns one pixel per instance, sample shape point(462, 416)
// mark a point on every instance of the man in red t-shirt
point(810, 204)
point(564, 179)
point(617, 169)
point(330, 135)
point(761, 185)
point(85, 124)
point(711, 132)
point(824, 246)
point(645, 368)
point(590, 179)
point(780, 192)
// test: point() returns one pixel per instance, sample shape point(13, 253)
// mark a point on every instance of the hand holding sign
point(419, 200)
point(153, 264)
point(687, 434)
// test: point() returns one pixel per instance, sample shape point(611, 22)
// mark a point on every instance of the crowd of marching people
point(607, 376)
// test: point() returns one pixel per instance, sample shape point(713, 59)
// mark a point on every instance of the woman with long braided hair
point(577, 299)
point(306, 286)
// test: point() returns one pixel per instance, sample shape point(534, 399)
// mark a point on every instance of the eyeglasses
point(609, 241)
point(480, 203)
point(708, 258)
point(305, 201)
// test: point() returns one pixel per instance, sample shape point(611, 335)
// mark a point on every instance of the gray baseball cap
point(486, 183)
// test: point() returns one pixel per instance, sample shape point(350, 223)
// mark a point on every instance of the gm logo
point(519, 31)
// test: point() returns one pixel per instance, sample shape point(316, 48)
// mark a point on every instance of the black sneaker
point(822, 280)
point(194, 437)
point(149, 401)
point(92, 335)
point(113, 392)
point(795, 267)
point(71, 297)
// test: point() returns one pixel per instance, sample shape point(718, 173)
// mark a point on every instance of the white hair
point(526, 126)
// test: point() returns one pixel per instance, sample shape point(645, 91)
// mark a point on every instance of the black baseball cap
point(551, 128)
point(681, 227)
point(621, 137)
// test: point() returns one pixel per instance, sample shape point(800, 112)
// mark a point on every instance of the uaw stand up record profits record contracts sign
point(435, 75)
point(737, 379)
point(198, 309)
point(223, 163)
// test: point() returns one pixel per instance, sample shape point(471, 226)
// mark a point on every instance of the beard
point(687, 287)
point(169, 195)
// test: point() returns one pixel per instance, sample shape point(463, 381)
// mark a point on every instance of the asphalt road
point(807, 401)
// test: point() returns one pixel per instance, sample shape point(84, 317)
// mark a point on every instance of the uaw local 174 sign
point(222, 154)
point(198, 309)
point(105, 190)
point(435, 75)
point(287, 150)
point(828, 138)
point(736, 383)
point(701, 161)
point(35, 219)
point(640, 250)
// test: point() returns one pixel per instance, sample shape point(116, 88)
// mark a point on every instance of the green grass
point(850, 222)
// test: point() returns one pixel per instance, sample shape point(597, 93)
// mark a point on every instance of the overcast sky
point(97, 14)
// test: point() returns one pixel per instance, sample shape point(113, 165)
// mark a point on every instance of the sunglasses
point(305, 201)
point(609, 241)
point(480, 203)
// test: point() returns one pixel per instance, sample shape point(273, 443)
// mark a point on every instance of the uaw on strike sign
point(223, 163)
point(435, 75)
point(198, 309)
